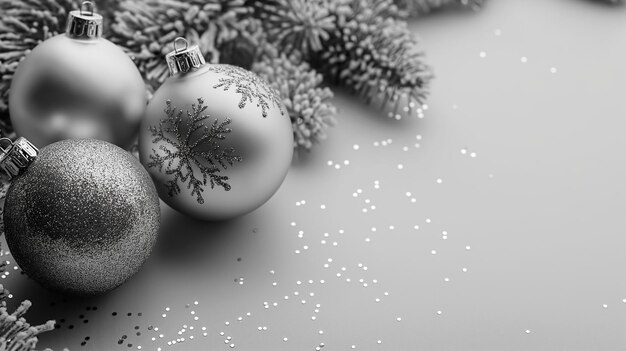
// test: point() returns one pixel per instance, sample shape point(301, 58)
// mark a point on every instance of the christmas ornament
point(216, 138)
point(81, 217)
point(77, 85)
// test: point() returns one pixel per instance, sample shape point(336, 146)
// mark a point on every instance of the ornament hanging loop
point(176, 50)
point(15, 159)
point(85, 23)
point(88, 4)
point(183, 60)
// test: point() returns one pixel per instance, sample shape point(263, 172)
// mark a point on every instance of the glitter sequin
point(95, 211)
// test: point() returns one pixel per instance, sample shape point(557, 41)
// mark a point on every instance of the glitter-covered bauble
point(82, 216)
point(216, 139)
point(77, 85)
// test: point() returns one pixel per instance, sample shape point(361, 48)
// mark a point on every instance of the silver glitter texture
point(83, 218)
point(249, 85)
point(192, 144)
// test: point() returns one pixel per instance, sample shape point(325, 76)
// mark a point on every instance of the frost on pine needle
point(146, 30)
point(415, 8)
point(300, 88)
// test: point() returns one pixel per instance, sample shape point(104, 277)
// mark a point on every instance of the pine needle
point(16, 334)
point(362, 46)
point(300, 87)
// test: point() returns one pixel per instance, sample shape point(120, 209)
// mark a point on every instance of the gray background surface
point(532, 197)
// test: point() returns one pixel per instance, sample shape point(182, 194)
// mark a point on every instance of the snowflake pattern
point(191, 147)
point(249, 85)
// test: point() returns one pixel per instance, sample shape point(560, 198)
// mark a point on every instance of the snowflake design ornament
point(250, 86)
point(183, 152)
point(222, 145)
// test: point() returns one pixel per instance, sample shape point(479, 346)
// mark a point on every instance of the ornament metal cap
point(84, 23)
point(15, 159)
point(183, 60)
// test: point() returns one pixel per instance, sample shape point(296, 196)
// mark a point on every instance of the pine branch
point(367, 50)
point(415, 8)
point(146, 30)
point(377, 57)
point(300, 88)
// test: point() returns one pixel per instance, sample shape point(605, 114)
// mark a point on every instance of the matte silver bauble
point(77, 85)
point(216, 139)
